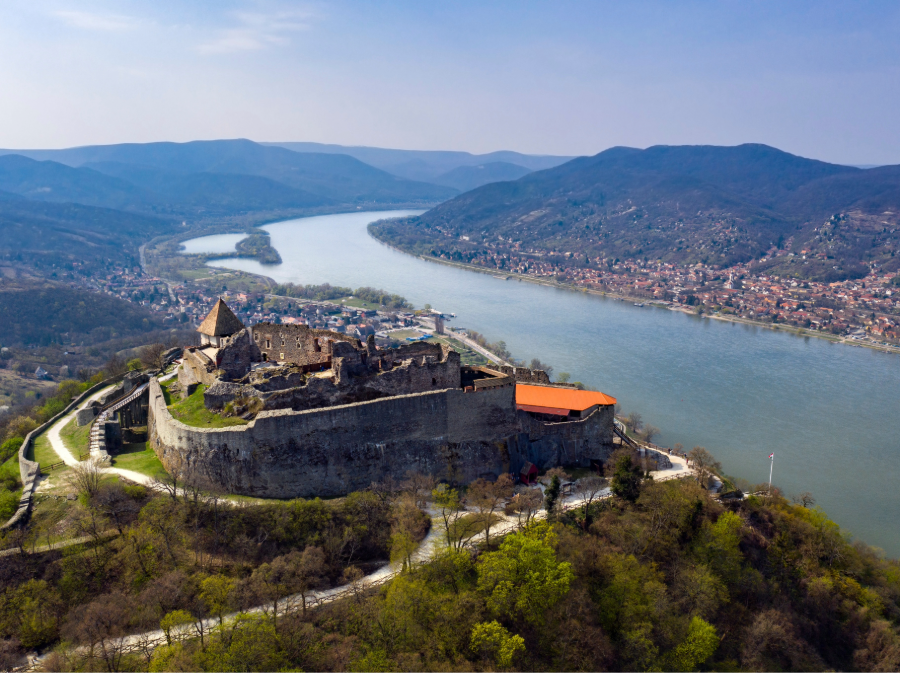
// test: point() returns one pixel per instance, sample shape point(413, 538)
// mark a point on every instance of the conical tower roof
point(220, 321)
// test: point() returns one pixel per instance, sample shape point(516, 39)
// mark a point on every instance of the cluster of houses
point(867, 306)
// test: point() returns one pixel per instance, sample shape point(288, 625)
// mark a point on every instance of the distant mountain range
point(206, 176)
point(718, 205)
point(428, 165)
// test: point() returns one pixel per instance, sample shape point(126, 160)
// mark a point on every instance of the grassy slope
point(138, 458)
point(192, 412)
point(9, 498)
point(42, 452)
point(76, 439)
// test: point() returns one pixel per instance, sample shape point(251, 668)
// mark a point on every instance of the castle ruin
point(327, 414)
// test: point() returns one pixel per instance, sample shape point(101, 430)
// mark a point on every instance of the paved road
point(478, 349)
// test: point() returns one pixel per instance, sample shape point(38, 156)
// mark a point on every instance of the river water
point(830, 412)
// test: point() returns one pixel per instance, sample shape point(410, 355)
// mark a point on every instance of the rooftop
point(220, 321)
point(569, 399)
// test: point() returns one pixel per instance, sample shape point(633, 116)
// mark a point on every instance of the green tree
point(717, 546)
point(563, 377)
point(253, 645)
point(626, 480)
point(699, 645)
point(524, 578)
point(172, 625)
point(216, 592)
point(551, 496)
point(493, 641)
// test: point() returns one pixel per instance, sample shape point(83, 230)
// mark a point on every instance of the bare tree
point(650, 431)
point(525, 504)
point(703, 461)
point(100, 626)
point(88, 475)
point(542, 366)
point(114, 503)
point(115, 365)
point(171, 481)
point(588, 489)
point(806, 499)
point(419, 486)
point(487, 498)
point(152, 356)
point(634, 421)
point(353, 576)
point(386, 489)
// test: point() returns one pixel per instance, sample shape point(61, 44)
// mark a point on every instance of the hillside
point(662, 577)
point(56, 182)
point(717, 205)
point(330, 177)
point(465, 178)
point(209, 193)
point(53, 238)
point(52, 313)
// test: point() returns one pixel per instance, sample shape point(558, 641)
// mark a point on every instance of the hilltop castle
point(328, 414)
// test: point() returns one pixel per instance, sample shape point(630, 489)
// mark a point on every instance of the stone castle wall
point(526, 375)
point(356, 376)
point(297, 344)
point(575, 442)
point(451, 434)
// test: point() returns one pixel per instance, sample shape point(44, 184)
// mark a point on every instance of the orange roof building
point(559, 401)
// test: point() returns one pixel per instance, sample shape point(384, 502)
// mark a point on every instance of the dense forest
point(661, 576)
point(52, 313)
point(716, 205)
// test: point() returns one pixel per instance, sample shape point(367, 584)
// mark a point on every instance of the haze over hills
point(332, 178)
point(465, 178)
point(426, 165)
point(718, 205)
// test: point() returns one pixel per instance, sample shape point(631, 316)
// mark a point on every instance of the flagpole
point(771, 466)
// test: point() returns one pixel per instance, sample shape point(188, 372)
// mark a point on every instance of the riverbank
point(644, 300)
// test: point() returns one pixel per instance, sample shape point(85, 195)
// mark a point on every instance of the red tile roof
point(569, 399)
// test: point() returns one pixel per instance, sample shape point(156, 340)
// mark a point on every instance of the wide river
point(830, 412)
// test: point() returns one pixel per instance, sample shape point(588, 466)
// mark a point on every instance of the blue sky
point(814, 78)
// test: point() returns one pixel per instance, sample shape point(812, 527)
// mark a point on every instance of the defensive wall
point(455, 435)
point(451, 434)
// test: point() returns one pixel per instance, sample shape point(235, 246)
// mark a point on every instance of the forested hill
point(40, 313)
point(717, 205)
point(53, 238)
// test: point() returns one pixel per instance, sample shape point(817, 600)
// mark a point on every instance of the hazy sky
point(818, 79)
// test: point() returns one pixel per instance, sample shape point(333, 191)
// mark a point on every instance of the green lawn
point(42, 452)
point(192, 412)
point(77, 440)
point(357, 303)
point(138, 458)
